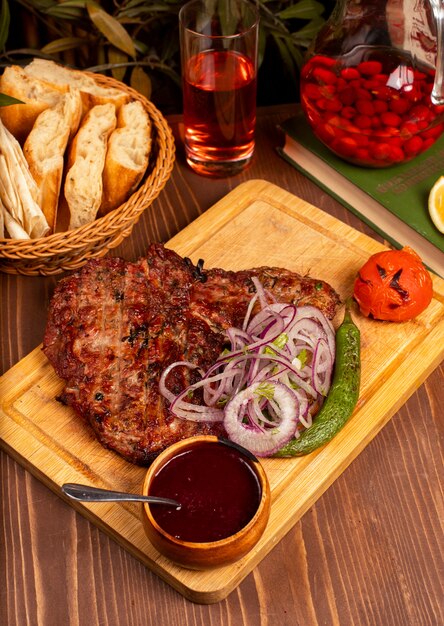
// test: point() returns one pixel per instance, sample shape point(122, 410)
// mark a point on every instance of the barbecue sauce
point(218, 490)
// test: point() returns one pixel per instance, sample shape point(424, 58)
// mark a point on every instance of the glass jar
point(371, 87)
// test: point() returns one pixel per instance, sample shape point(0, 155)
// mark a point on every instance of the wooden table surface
point(369, 552)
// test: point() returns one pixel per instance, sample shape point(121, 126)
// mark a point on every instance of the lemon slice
point(436, 204)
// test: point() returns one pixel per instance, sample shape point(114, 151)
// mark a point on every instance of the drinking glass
point(219, 40)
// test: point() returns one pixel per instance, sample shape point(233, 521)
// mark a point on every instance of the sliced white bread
point(36, 95)
point(45, 147)
point(62, 76)
point(127, 157)
point(86, 159)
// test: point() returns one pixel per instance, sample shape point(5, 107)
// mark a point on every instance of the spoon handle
point(85, 493)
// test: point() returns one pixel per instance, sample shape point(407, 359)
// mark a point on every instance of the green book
point(392, 200)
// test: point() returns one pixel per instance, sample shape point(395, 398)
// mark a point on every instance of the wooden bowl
point(200, 554)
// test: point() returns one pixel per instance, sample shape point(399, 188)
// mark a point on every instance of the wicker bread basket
point(71, 249)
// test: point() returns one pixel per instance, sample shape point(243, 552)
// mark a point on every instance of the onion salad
point(269, 381)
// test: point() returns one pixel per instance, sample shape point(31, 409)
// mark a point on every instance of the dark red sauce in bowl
point(225, 502)
point(217, 487)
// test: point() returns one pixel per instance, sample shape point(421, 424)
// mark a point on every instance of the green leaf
point(265, 390)
point(112, 29)
point(303, 357)
point(279, 342)
point(285, 55)
point(5, 19)
point(261, 46)
point(62, 44)
point(133, 4)
point(6, 100)
point(291, 56)
point(305, 9)
point(227, 17)
point(75, 4)
point(141, 8)
point(141, 82)
point(309, 31)
point(140, 47)
point(41, 5)
point(118, 59)
point(276, 30)
point(170, 48)
point(295, 52)
point(64, 13)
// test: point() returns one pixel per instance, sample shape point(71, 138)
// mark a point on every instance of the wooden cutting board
point(256, 224)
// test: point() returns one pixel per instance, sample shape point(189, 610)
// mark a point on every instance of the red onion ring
point(244, 420)
point(266, 387)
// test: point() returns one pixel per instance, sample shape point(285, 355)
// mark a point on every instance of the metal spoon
point(85, 493)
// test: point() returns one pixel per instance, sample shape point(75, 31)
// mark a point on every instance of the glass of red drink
point(219, 69)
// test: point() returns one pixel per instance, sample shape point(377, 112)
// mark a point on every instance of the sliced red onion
point(322, 367)
point(286, 348)
point(197, 413)
point(250, 308)
point(314, 313)
point(165, 392)
point(305, 408)
point(270, 315)
point(261, 436)
point(260, 291)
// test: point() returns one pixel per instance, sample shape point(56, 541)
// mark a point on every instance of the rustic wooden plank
point(257, 223)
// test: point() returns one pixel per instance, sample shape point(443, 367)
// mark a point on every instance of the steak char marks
point(114, 326)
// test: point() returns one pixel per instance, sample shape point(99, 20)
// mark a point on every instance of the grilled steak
point(114, 326)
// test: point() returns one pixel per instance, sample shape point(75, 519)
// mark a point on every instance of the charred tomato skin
point(393, 285)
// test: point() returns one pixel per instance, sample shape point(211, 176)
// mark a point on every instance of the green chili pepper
point(342, 396)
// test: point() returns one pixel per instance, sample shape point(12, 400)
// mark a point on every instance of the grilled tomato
point(393, 285)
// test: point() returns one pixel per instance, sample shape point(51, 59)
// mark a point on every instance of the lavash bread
point(86, 159)
point(62, 76)
point(22, 215)
point(45, 147)
point(127, 157)
point(36, 95)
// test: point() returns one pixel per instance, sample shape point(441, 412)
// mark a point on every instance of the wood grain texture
point(368, 552)
point(242, 230)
